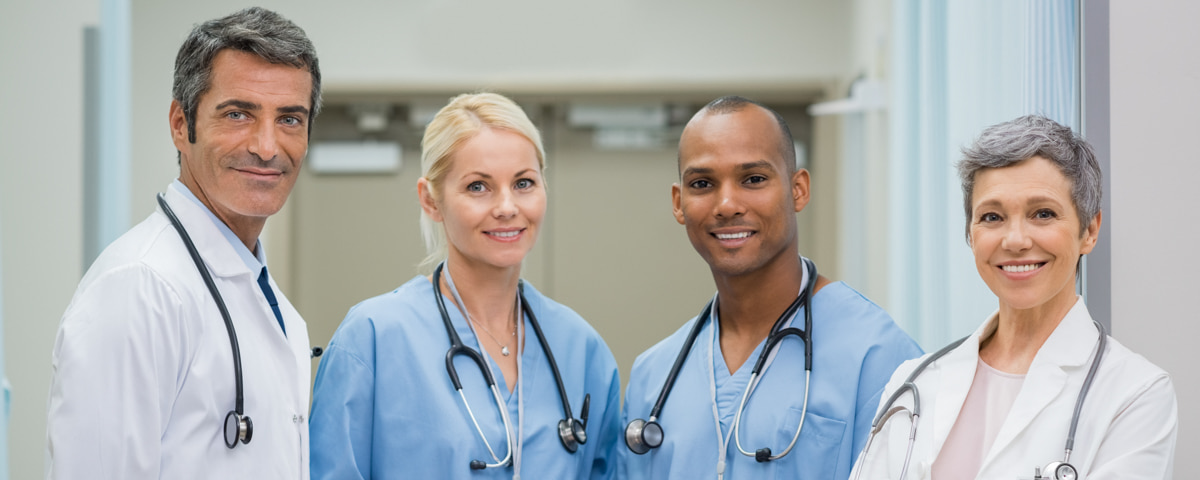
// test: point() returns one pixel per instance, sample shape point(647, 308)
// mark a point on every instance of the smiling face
point(1025, 235)
point(251, 136)
point(491, 201)
point(736, 196)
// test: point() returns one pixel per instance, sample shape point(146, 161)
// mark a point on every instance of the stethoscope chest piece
point(238, 428)
point(1058, 471)
point(573, 432)
point(641, 436)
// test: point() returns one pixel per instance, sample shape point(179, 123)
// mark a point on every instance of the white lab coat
point(1126, 430)
point(143, 370)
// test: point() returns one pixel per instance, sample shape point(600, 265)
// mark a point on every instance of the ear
point(676, 207)
point(800, 192)
point(428, 202)
point(1091, 235)
point(179, 127)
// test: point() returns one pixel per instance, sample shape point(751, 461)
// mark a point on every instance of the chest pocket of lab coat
point(816, 452)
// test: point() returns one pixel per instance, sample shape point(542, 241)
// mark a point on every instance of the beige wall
point(610, 247)
point(791, 49)
point(1155, 95)
point(342, 239)
point(41, 171)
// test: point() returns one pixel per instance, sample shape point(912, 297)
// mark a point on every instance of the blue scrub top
point(384, 406)
point(856, 346)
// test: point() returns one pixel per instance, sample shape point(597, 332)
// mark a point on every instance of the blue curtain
point(957, 67)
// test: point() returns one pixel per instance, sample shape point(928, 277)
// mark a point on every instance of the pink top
point(991, 397)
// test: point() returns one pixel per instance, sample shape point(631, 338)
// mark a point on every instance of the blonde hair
point(464, 117)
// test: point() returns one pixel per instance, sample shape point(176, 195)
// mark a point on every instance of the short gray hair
point(254, 30)
point(1017, 140)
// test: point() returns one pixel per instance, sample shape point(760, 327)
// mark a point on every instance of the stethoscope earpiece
point(238, 428)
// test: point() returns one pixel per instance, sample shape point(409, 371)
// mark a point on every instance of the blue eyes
point(289, 121)
point(480, 186)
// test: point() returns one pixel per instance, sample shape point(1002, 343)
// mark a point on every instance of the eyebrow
point(1039, 199)
point(755, 165)
point(244, 105)
point(761, 164)
point(489, 177)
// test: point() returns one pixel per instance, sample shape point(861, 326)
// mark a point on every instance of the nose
point(506, 205)
point(1016, 237)
point(264, 142)
point(728, 203)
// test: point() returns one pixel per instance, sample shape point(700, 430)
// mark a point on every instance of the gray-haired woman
point(1039, 390)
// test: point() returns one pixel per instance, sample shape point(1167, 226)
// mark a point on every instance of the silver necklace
point(463, 307)
point(503, 346)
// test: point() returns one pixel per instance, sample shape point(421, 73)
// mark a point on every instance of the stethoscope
point(571, 432)
point(1053, 471)
point(643, 435)
point(238, 426)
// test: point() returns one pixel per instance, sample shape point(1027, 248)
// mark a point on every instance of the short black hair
point(735, 103)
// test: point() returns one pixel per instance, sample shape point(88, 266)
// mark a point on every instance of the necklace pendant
point(504, 350)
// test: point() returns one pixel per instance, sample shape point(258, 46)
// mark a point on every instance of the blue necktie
point(270, 294)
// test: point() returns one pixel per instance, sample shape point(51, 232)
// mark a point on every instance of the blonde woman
point(469, 372)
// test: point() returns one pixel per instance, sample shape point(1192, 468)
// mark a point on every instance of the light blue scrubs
point(856, 346)
point(384, 406)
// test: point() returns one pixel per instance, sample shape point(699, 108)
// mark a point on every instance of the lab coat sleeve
point(341, 423)
point(604, 466)
point(117, 359)
point(1140, 442)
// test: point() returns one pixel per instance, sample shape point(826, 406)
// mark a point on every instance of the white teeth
point(732, 236)
point(505, 234)
point(1022, 268)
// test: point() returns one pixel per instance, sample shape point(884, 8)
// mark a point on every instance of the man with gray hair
point(177, 335)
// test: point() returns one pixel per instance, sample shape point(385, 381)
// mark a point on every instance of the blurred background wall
point(899, 85)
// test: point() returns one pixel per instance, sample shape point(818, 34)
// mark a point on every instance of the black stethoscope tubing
point(643, 435)
point(238, 426)
point(572, 432)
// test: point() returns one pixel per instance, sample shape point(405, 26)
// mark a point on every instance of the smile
point(733, 236)
point(505, 235)
point(1022, 268)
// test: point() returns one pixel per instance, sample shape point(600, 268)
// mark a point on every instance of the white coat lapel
point(955, 372)
point(1069, 347)
point(217, 253)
